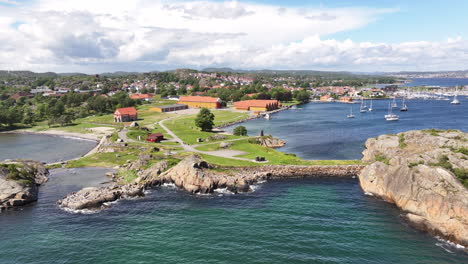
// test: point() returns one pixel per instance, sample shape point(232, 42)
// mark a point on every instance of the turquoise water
point(322, 130)
point(289, 221)
point(42, 147)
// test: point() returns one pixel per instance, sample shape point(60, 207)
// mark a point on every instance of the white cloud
point(143, 35)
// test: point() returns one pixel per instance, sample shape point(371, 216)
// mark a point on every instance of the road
point(226, 153)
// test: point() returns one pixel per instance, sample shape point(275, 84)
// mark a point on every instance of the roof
point(170, 106)
point(126, 111)
point(141, 96)
point(155, 135)
point(201, 99)
point(254, 103)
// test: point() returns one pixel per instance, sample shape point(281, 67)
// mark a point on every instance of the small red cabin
point(156, 137)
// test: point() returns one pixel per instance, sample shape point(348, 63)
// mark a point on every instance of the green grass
point(225, 162)
point(273, 156)
point(382, 159)
point(127, 176)
point(184, 127)
point(103, 160)
point(401, 140)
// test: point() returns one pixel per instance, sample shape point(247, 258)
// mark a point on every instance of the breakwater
point(252, 117)
point(301, 171)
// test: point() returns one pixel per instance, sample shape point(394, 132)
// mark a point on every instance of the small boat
point(363, 108)
point(370, 107)
point(267, 117)
point(394, 104)
point(404, 107)
point(350, 114)
point(391, 116)
point(455, 99)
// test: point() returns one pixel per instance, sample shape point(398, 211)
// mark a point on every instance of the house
point(346, 99)
point(200, 101)
point(125, 114)
point(143, 97)
point(169, 108)
point(326, 98)
point(17, 95)
point(156, 137)
point(257, 105)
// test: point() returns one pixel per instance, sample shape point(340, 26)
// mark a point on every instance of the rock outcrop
point(422, 172)
point(19, 182)
point(96, 198)
point(270, 142)
point(194, 175)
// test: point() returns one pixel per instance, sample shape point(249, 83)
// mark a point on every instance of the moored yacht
point(350, 114)
point(391, 116)
point(404, 107)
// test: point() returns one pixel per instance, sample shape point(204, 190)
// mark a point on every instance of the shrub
point(382, 159)
point(240, 131)
point(401, 140)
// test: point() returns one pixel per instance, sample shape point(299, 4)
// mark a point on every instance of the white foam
point(449, 243)
point(81, 211)
point(368, 193)
point(170, 185)
point(223, 191)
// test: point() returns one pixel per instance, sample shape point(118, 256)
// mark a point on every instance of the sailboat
point(455, 99)
point(391, 116)
point(363, 108)
point(404, 107)
point(267, 117)
point(370, 107)
point(350, 114)
point(394, 104)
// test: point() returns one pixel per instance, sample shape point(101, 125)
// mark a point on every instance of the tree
point(205, 119)
point(240, 131)
point(302, 96)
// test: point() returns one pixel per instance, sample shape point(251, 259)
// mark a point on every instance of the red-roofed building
point(126, 114)
point(257, 105)
point(145, 97)
point(156, 137)
point(200, 101)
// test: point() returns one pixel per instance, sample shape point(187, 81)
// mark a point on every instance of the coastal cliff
point(19, 182)
point(424, 173)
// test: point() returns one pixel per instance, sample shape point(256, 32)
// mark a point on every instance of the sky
point(95, 36)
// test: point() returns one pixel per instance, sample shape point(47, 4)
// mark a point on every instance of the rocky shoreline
point(422, 173)
point(196, 176)
point(20, 181)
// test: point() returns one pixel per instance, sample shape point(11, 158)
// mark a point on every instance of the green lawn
point(184, 127)
point(273, 156)
point(103, 160)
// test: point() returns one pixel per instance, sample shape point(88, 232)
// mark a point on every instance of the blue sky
point(142, 35)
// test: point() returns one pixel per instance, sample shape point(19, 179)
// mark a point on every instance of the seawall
point(299, 171)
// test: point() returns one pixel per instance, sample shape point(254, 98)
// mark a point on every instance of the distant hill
point(26, 74)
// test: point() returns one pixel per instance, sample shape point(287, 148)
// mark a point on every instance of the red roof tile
point(126, 111)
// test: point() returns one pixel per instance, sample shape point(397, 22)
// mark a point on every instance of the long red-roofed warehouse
point(257, 105)
point(200, 101)
point(126, 114)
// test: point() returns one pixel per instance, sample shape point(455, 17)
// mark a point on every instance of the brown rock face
point(19, 182)
point(192, 175)
point(415, 170)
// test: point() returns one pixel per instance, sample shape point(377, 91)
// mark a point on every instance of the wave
point(170, 185)
point(447, 245)
point(223, 191)
point(368, 194)
point(80, 211)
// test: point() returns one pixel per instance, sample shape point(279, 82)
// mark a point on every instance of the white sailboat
point(267, 117)
point(394, 104)
point(351, 113)
point(370, 107)
point(363, 107)
point(455, 99)
point(404, 107)
point(391, 116)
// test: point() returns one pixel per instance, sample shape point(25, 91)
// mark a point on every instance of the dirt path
point(228, 153)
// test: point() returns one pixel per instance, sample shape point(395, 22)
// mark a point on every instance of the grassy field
point(184, 127)
point(273, 156)
point(103, 160)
